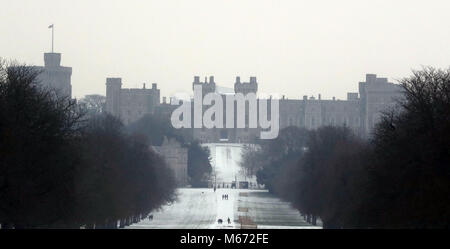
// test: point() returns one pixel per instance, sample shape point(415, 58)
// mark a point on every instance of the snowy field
point(202, 208)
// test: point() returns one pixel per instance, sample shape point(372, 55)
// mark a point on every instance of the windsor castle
point(360, 111)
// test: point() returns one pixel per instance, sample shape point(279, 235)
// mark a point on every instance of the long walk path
point(202, 208)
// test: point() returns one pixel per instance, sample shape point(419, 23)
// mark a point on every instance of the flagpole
point(53, 28)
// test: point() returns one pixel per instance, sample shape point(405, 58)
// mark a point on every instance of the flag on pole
point(51, 27)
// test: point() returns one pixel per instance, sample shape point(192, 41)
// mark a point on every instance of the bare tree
point(93, 103)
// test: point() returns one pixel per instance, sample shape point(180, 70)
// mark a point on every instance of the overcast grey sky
point(293, 47)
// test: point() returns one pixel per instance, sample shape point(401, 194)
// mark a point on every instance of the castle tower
point(52, 59)
point(113, 87)
point(207, 87)
point(54, 76)
point(246, 87)
point(376, 95)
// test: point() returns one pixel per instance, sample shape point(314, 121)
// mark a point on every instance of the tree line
point(398, 178)
point(62, 166)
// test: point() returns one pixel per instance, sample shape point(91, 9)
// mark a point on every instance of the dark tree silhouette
point(251, 159)
point(121, 178)
point(410, 181)
point(276, 154)
point(155, 128)
point(199, 166)
point(61, 170)
point(37, 152)
point(400, 178)
point(329, 177)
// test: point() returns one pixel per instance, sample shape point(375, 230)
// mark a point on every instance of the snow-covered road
point(201, 208)
point(225, 159)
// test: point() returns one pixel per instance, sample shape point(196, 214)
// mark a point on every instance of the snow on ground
point(268, 211)
point(225, 160)
point(201, 208)
point(225, 209)
point(194, 208)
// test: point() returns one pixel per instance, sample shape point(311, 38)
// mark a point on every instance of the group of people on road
point(225, 197)
point(220, 221)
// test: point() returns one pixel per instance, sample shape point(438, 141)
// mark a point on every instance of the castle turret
point(113, 86)
point(246, 87)
point(54, 76)
point(207, 87)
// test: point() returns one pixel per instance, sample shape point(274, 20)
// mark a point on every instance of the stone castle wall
point(360, 111)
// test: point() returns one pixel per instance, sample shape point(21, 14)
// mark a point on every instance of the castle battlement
point(246, 87)
point(130, 104)
point(360, 111)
